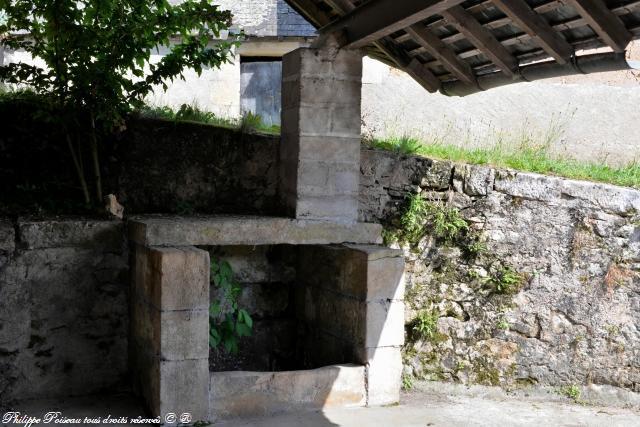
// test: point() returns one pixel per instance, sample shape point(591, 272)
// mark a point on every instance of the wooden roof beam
point(423, 75)
point(604, 22)
point(482, 38)
point(539, 29)
point(442, 52)
point(310, 11)
point(379, 18)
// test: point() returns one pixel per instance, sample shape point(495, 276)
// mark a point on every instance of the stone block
point(320, 178)
point(238, 394)
point(175, 278)
point(184, 334)
point(384, 375)
point(478, 180)
point(528, 185)
point(335, 149)
point(341, 209)
point(384, 323)
point(322, 91)
point(183, 386)
point(375, 273)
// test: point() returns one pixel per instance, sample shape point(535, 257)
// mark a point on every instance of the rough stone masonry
point(576, 320)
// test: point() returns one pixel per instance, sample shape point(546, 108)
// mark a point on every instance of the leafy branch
point(227, 321)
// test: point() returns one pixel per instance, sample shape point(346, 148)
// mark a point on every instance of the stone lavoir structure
point(64, 284)
point(347, 298)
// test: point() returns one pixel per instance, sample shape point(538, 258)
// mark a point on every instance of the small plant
point(422, 217)
point(503, 324)
point(227, 322)
point(407, 382)
point(425, 325)
point(404, 145)
point(505, 280)
point(572, 392)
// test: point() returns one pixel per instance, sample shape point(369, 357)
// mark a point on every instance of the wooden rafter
point(379, 18)
point(310, 11)
point(604, 22)
point(442, 52)
point(513, 40)
point(423, 76)
point(539, 29)
point(482, 38)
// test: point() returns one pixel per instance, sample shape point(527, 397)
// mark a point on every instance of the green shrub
point(96, 62)
point(227, 322)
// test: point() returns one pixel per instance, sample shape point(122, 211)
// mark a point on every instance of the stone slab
point(246, 230)
point(247, 394)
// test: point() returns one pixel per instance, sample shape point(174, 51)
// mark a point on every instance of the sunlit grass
point(247, 123)
point(524, 155)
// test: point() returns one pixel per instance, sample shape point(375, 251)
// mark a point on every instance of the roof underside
point(446, 44)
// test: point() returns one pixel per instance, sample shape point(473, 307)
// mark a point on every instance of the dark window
point(260, 85)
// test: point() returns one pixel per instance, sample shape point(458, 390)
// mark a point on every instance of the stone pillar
point(169, 342)
point(320, 143)
point(351, 302)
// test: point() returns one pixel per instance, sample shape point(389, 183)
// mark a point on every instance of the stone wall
point(63, 308)
point(576, 246)
point(155, 166)
point(163, 166)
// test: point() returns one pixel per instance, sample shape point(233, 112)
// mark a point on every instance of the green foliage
point(526, 155)
point(572, 392)
point(422, 217)
point(404, 144)
point(95, 57)
point(503, 279)
point(227, 322)
point(248, 123)
point(425, 325)
point(503, 324)
point(407, 382)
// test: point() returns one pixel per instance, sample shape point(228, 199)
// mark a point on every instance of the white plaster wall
point(596, 117)
point(215, 90)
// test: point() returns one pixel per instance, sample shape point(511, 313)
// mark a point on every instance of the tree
point(96, 59)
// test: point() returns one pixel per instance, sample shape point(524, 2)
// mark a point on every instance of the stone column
point(320, 144)
point(169, 343)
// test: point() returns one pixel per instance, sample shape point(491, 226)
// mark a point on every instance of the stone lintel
point(247, 230)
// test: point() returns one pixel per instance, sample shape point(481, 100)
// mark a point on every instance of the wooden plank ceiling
point(447, 41)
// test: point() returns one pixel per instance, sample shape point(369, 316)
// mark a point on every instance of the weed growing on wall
point(503, 279)
point(227, 321)
point(445, 223)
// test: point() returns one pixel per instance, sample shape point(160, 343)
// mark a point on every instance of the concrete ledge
point(246, 230)
point(253, 394)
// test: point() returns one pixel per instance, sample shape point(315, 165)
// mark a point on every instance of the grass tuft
point(525, 156)
point(248, 123)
